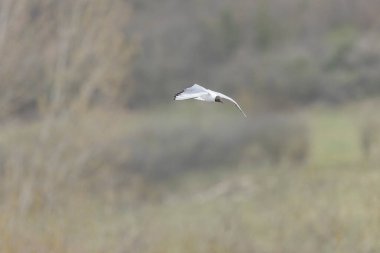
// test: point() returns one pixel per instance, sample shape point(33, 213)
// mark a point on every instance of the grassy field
point(329, 204)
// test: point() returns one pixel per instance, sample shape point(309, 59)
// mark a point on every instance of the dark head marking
point(217, 99)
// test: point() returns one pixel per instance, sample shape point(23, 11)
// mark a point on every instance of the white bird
point(200, 93)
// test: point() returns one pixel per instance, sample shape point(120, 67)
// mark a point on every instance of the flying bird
point(200, 93)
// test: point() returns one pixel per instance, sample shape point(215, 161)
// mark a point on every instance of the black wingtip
point(175, 96)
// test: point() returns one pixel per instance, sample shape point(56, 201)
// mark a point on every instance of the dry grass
point(258, 211)
point(273, 211)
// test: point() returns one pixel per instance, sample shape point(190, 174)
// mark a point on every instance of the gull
point(200, 93)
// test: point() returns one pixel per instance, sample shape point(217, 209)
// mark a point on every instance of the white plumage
point(200, 93)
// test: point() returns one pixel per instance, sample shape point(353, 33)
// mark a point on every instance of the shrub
point(162, 150)
point(370, 136)
point(219, 38)
point(281, 138)
point(172, 149)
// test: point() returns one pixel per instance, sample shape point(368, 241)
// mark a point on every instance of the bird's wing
point(233, 101)
point(191, 92)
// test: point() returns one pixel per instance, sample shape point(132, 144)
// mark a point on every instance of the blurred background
point(95, 156)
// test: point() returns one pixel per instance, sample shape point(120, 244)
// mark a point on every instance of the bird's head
point(217, 99)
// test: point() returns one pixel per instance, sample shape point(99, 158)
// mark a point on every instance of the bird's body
point(200, 93)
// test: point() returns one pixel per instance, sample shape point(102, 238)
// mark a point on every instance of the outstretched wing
point(191, 92)
point(233, 101)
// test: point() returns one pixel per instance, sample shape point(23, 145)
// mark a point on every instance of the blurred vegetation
point(80, 54)
point(277, 183)
point(96, 157)
point(291, 52)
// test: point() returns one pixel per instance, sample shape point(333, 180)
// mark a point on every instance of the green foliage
point(220, 37)
point(266, 31)
point(289, 52)
point(340, 42)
